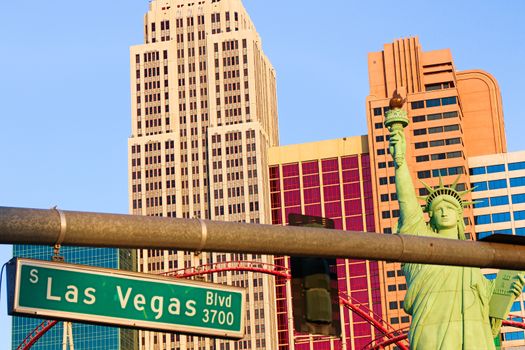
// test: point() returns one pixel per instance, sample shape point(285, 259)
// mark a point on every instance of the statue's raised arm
point(411, 217)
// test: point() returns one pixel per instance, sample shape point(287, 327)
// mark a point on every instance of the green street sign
point(88, 294)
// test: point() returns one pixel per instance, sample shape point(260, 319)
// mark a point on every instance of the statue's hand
point(517, 286)
point(495, 325)
point(397, 146)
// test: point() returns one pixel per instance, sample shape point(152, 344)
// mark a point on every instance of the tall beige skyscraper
point(204, 113)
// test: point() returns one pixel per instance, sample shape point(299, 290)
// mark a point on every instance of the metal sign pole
point(37, 226)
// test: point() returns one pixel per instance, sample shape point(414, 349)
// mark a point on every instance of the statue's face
point(444, 215)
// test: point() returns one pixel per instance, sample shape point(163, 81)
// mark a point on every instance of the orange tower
point(453, 115)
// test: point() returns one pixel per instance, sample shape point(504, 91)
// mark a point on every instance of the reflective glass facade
point(499, 192)
point(84, 336)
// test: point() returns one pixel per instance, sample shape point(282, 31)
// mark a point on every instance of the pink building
point(329, 179)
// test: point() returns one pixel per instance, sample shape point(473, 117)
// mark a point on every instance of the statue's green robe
point(449, 305)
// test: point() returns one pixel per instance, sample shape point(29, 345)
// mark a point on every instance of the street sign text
point(89, 294)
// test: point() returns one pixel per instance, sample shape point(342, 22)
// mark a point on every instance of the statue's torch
point(396, 119)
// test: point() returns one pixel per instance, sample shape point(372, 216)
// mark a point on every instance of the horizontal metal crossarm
point(39, 226)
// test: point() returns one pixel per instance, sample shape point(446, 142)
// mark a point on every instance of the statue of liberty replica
point(451, 306)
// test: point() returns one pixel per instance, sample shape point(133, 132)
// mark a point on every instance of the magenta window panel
point(332, 210)
point(361, 343)
point(304, 346)
point(369, 204)
point(292, 210)
point(357, 283)
point(351, 175)
point(353, 207)
point(279, 260)
point(374, 286)
point(282, 318)
point(365, 161)
point(377, 309)
point(312, 195)
point(366, 173)
point(341, 285)
point(274, 172)
point(291, 170)
point(329, 165)
point(292, 198)
point(370, 224)
point(361, 329)
point(369, 208)
point(331, 193)
point(361, 296)
point(318, 345)
point(354, 223)
point(283, 340)
point(275, 185)
point(291, 183)
point(310, 167)
point(349, 162)
point(314, 210)
point(311, 181)
point(374, 271)
point(330, 178)
point(276, 217)
point(282, 305)
point(341, 271)
point(376, 292)
point(275, 200)
point(367, 189)
point(347, 326)
point(338, 224)
point(358, 269)
point(280, 294)
point(352, 190)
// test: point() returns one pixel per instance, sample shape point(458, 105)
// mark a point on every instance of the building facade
point(84, 336)
point(499, 191)
point(453, 115)
point(204, 114)
point(328, 179)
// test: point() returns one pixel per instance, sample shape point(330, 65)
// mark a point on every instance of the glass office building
point(499, 190)
point(84, 336)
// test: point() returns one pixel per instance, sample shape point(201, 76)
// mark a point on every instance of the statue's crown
point(448, 191)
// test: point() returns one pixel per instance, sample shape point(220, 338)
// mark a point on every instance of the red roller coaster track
point(36, 334)
point(375, 320)
point(393, 336)
point(253, 266)
point(390, 341)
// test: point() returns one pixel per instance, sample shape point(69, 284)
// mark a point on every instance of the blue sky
point(64, 91)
